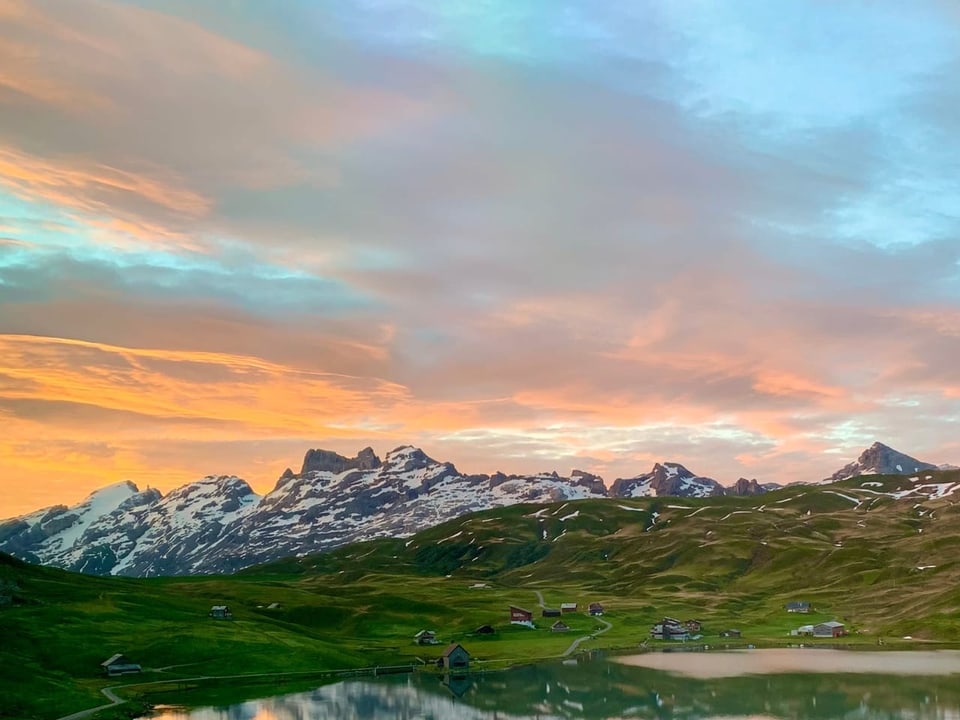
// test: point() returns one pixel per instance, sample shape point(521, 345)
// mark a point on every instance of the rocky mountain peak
point(588, 480)
point(746, 487)
point(329, 461)
point(880, 459)
point(407, 457)
point(667, 478)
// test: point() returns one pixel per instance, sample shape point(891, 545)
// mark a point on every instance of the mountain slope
point(219, 525)
point(876, 553)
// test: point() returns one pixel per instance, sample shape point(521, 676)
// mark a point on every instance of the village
point(455, 658)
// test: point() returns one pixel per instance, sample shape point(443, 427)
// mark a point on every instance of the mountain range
point(220, 525)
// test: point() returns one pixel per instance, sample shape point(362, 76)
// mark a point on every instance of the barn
point(119, 665)
point(455, 657)
point(830, 629)
point(520, 616)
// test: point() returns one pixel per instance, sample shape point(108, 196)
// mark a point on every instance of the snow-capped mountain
point(879, 459)
point(667, 478)
point(219, 524)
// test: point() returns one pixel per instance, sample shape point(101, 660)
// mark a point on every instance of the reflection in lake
point(597, 688)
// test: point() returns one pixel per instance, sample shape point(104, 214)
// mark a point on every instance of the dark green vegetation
point(730, 562)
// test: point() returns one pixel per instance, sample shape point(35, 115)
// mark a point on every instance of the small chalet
point(455, 657)
point(596, 608)
point(425, 637)
point(221, 612)
point(797, 606)
point(519, 616)
point(692, 625)
point(484, 630)
point(669, 629)
point(551, 612)
point(829, 629)
point(568, 607)
point(559, 626)
point(730, 633)
point(119, 665)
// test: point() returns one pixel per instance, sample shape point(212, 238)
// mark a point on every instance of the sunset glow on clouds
point(523, 236)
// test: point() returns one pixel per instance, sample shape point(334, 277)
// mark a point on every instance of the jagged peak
point(319, 460)
point(670, 469)
point(880, 459)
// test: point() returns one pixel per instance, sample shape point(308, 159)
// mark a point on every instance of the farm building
point(455, 657)
point(221, 612)
point(559, 626)
point(519, 616)
point(119, 665)
point(669, 629)
point(732, 633)
point(484, 630)
point(425, 637)
point(568, 607)
point(551, 612)
point(596, 608)
point(831, 628)
point(797, 606)
point(803, 630)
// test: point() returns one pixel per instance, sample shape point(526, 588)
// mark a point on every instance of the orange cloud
point(77, 184)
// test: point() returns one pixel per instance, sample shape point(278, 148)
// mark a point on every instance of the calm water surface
point(757, 684)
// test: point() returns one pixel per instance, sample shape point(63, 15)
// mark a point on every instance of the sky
point(524, 236)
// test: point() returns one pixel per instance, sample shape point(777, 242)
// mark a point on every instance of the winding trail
point(108, 693)
point(576, 643)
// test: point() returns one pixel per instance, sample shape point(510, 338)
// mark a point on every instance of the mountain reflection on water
point(593, 688)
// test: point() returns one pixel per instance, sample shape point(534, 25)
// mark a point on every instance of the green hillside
point(888, 568)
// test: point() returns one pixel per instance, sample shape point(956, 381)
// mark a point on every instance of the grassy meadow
point(887, 568)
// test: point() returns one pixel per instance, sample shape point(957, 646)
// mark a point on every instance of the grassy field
point(886, 568)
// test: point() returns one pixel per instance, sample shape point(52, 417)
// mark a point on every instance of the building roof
point(517, 607)
point(830, 624)
point(112, 659)
point(453, 646)
point(219, 607)
point(568, 605)
point(425, 632)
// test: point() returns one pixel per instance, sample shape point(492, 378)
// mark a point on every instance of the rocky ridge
point(220, 525)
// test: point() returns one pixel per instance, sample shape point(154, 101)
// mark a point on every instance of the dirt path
point(576, 643)
point(108, 693)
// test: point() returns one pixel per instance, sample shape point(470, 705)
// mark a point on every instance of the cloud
point(152, 117)
point(597, 237)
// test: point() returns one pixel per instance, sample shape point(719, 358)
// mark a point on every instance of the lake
point(750, 684)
